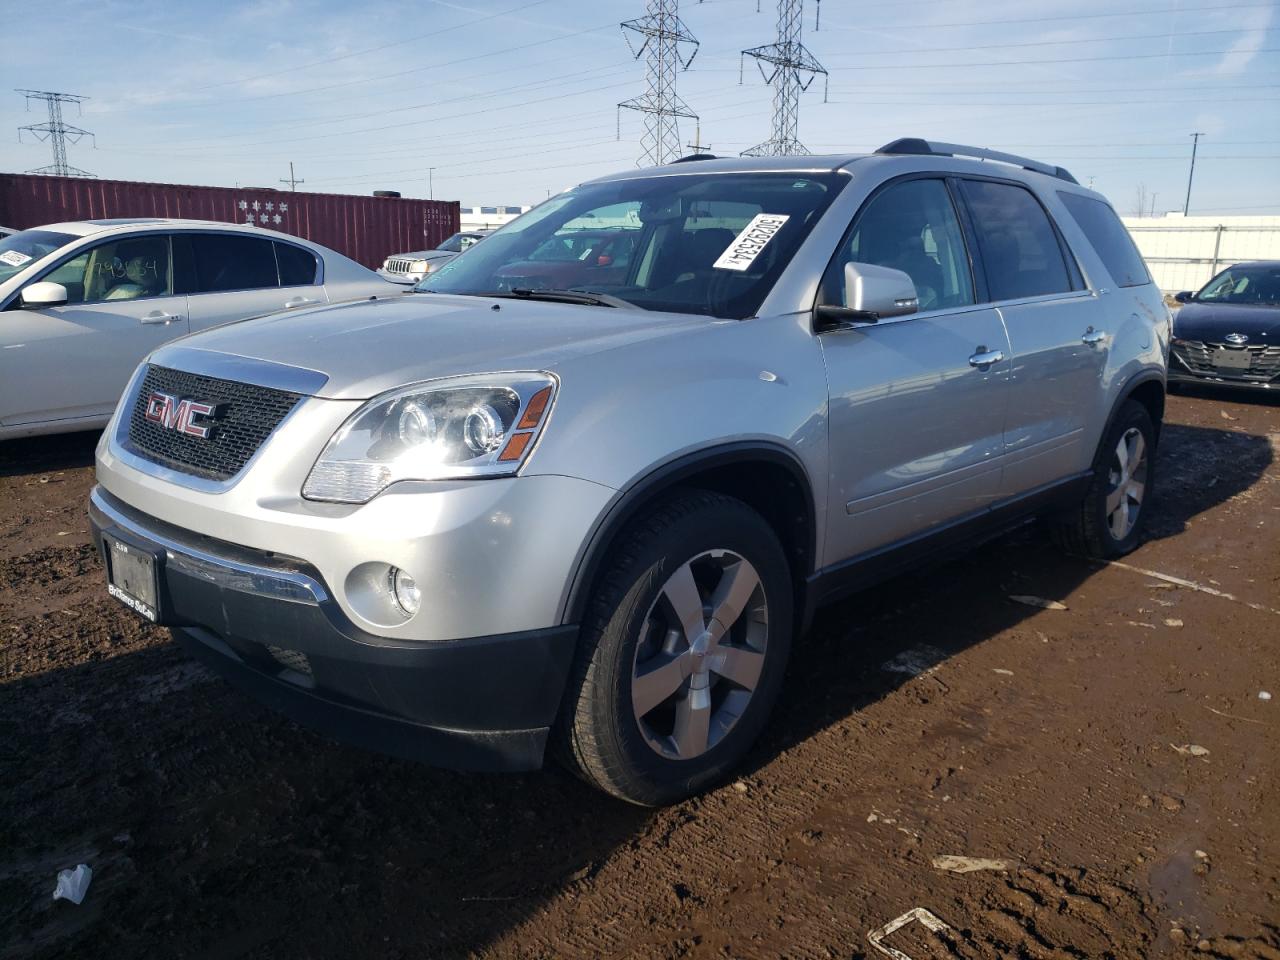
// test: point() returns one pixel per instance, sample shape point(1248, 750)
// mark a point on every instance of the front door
point(72, 362)
point(917, 403)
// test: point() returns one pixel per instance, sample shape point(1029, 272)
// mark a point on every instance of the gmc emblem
point(173, 413)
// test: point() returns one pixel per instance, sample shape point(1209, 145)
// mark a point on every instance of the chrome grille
point(398, 265)
point(247, 416)
point(1201, 358)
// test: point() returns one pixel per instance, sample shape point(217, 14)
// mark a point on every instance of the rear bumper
point(269, 625)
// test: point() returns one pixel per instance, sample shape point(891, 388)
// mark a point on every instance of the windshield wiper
point(571, 296)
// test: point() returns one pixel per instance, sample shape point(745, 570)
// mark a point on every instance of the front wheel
point(1109, 522)
point(682, 653)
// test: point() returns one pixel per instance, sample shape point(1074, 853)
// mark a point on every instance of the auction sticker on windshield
point(747, 245)
point(13, 258)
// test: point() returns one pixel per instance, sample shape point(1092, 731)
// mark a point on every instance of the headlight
point(420, 266)
point(463, 427)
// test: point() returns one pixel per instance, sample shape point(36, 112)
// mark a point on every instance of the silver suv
point(502, 515)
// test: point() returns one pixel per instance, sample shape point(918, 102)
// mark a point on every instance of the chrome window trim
point(177, 552)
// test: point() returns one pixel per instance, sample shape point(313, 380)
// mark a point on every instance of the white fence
point(1184, 252)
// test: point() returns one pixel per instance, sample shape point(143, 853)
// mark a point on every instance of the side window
point(1019, 247)
point(298, 267)
point(227, 262)
point(1099, 223)
point(132, 268)
point(911, 226)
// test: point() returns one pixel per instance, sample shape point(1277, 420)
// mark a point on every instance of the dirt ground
point(1055, 740)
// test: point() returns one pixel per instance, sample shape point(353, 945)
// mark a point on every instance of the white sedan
point(82, 303)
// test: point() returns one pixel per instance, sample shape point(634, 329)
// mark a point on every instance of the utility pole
point(1195, 141)
point(292, 181)
point(1153, 203)
point(698, 146)
point(431, 183)
point(794, 69)
point(56, 132)
point(664, 42)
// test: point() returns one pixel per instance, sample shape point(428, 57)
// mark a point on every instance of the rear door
point(1058, 357)
point(231, 277)
point(917, 403)
point(73, 361)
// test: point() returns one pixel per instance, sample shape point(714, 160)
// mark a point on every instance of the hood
point(423, 255)
point(1210, 322)
point(372, 346)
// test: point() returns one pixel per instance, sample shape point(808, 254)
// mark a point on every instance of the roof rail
point(930, 148)
point(695, 156)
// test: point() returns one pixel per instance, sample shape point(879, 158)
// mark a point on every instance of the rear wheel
point(1109, 522)
point(683, 652)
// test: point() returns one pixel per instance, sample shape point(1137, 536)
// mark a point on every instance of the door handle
point(984, 358)
point(158, 317)
point(298, 302)
point(1093, 337)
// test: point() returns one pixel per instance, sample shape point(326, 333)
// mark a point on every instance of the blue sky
point(509, 100)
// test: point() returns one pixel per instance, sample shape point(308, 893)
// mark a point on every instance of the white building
point(489, 218)
point(1183, 253)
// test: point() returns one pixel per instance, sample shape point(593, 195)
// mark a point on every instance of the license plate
point(1233, 359)
point(131, 577)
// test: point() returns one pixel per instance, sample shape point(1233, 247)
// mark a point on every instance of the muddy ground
point(1055, 740)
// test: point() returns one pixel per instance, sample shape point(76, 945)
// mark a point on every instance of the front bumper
point(269, 624)
point(404, 279)
point(1182, 375)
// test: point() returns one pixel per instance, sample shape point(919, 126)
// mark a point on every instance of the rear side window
point(224, 262)
point(1019, 246)
point(297, 266)
point(1099, 223)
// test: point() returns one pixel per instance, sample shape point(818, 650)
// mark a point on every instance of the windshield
point(459, 242)
point(1244, 283)
point(22, 249)
point(710, 244)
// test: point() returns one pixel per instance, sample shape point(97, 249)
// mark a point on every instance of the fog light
point(405, 590)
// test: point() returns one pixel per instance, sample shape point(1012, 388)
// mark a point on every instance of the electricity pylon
point(56, 132)
point(663, 41)
point(794, 69)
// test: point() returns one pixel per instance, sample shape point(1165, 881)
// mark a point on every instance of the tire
point(619, 729)
point(1092, 529)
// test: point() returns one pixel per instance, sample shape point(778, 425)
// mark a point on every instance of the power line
point(1037, 62)
point(1045, 43)
point(383, 46)
point(664, 42)
point(1075, 16)
point(55, 131)
point(794, 70)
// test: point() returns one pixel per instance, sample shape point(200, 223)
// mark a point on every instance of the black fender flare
point(1144, 376)
point(666, 476)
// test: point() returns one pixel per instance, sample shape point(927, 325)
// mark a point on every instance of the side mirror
point(1186, 296)
point(872, 293)
point(43, 294)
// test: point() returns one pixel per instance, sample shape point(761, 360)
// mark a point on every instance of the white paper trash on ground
point(73, 884)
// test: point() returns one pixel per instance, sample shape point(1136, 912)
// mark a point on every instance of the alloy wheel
point(1126, 483)
point(700, 654)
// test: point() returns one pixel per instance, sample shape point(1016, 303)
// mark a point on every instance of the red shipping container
point(366, 229)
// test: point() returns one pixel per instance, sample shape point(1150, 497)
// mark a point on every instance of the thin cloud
point(1243, 52)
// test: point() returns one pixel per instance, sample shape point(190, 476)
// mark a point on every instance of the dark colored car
point(1229, 332)
point(596, 259)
